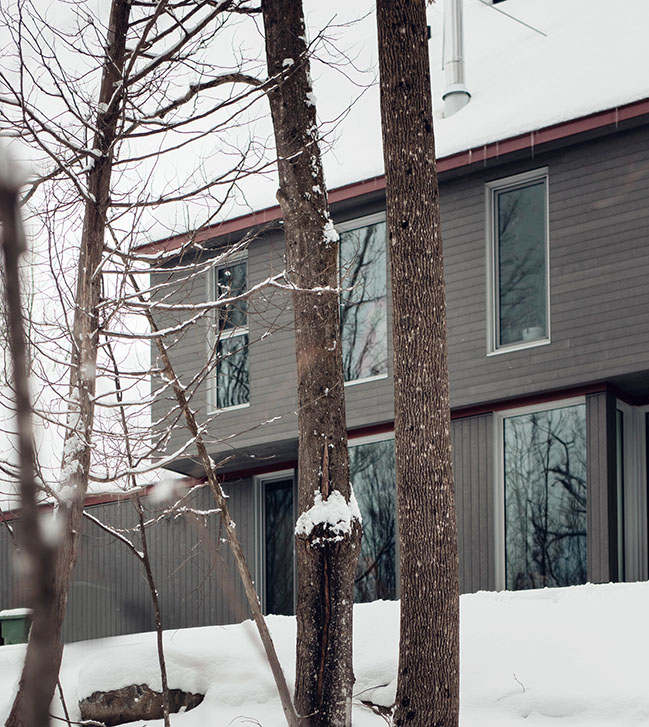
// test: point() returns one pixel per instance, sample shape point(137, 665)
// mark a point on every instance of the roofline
point(493, 150)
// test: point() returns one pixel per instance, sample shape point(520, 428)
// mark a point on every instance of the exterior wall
point(599, 262)
point(602, 484)
point(194, 572)
point(473, 469)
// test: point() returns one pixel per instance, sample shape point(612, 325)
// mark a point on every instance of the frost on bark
point(428, 676)
point(327, 546)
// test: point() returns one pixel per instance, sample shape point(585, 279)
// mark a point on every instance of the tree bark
point(326, 555)
point(428, 676)
point(39, 553)
point(77, 445)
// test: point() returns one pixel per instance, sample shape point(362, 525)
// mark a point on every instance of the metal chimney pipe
point(456, 95)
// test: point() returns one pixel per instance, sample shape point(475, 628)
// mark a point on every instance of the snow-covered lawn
point(569, 657)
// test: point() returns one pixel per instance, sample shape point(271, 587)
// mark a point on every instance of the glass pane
point(230, 282)
point(372, 474)
point(521, 264)
point(363, 311)
point(545, 498)
point(279, 526)
point(232, 386)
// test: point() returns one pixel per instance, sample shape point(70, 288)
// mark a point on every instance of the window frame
point(499, 474)
point(355, 224)
point(492, 189)
point(215, 336)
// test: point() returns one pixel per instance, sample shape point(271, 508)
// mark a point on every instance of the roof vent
point(456, 95)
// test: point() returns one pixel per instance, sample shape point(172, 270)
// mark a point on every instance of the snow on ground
point(568, 657)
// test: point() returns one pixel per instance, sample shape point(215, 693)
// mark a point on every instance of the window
point(276, 568)
point(372, 474)
point(544, 484)
point(230, 337)
point(517, 220)
point(363, 309)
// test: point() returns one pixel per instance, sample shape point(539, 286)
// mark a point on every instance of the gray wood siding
point(599, 262)
point(271, 414)
point(473, 468)
point(601, 478)
point(194, 571)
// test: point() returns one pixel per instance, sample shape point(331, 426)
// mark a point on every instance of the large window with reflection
point(518, 237)
point(372, 473)
point(230, 336)
point(363, 309)
point(544, 466)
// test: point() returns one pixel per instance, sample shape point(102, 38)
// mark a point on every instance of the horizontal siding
point(271, 414)
point(599, 262)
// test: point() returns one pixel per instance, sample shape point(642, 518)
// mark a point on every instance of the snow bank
point(567, 657)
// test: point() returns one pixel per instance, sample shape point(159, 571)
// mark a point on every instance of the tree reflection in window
point(232, 379)
point(279, 523)
point(521, 263)
point(363, 310)
point(372, 473)
point(545, 498)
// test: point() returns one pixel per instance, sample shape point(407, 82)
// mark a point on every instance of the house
point(544, 181)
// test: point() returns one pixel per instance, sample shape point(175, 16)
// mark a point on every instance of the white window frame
point(499, 473)
point(260, 531)
point(491, 191)
point(228, 259)
point(355, 224)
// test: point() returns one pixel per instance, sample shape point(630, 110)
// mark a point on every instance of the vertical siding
point(474, 487)
point(13, 593)
point(601, 477)
point(194, 571)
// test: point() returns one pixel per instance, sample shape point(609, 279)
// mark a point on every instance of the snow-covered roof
point(529, 64)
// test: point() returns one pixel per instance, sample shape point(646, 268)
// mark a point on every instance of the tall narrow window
point(519, 260)
point(545, 498)
point(232, 388)
point(372, 473)
point(279, 525)
point(363, 310)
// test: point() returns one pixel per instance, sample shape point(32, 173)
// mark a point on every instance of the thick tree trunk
point(428, 681)
point(327, 553)
point(77, 447)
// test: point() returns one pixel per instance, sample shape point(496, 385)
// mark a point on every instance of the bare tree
point(39, 677)
point(103, 151)
point(428, 678)
point(328, 530)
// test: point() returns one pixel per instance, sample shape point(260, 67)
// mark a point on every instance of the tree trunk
point(327, 553)
point(428, 677)
point(77, 446)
